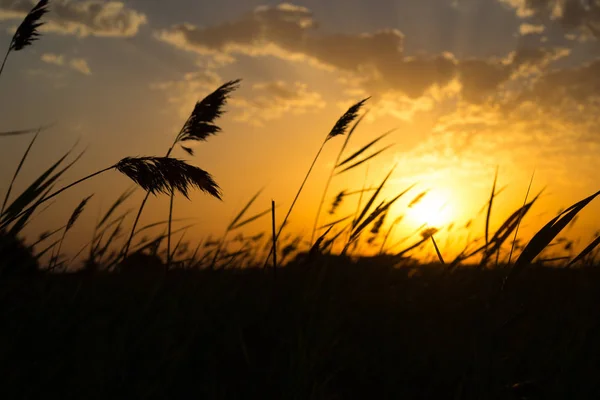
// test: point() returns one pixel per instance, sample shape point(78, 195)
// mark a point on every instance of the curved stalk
point(51, 196)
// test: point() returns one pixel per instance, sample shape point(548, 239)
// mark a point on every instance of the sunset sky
point(467, 84)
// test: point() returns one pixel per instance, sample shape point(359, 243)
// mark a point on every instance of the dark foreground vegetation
point(327, 330)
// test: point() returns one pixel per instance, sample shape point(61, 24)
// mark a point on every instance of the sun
point(433, 210)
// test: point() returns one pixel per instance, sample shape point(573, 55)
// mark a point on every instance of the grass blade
point(14, 178)
point(372, 199)
point(336, 222)
point(363, 149)
point(120, 200)
point(437, 250)
point(543, 238)
point(489, 209)
point(519, 223)
point(589, 248)
point(359, 163)
point(243, 211)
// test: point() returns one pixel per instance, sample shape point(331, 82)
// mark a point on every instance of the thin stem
point(54, 259)
point(294, 202)
point(169, 229)
point(437, 250)
point(274, 238)
point(5, 58)
point(337, 161)
point(385, 239)
point(45, 199)
point(14, 178)
point(356, 214)
point(512, 247)
point(139, 213)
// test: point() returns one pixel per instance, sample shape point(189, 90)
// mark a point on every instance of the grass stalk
point(168, 265)
point(14, 178)
point(274, 238)
point(331, 174)
point(512, 247)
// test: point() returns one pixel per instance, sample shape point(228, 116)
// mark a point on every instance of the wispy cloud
point(81, 18)
point(530, 29)
point(271, 100)
point(77, 64)
point(578, 16)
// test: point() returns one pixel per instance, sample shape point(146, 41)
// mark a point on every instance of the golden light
point(433, 210)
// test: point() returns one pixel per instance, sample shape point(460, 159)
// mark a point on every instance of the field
point(331, 329)
point(139, 312)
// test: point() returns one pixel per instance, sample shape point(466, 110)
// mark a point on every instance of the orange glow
point(434, 210)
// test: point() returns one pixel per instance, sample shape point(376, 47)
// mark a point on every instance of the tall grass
point(339, 129)
point(199, 126)
point(153, 174)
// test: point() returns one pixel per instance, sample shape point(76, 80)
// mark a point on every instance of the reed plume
point(340, 128)
point(72, 219)
point(153, 174)
point(27, 32)
point(198, 127)
point(165, 175)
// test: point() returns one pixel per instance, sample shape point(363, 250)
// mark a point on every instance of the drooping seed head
point(165, 174)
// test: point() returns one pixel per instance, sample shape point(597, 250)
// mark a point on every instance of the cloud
point(53, 59)
point(81, 18)
point(530, 29)
point(264, 102)
point(507, 104)
point(77, 64)
point(185, 92)
point(272, 100)
point(573, 15)
point(81, 65)
point(372, 62)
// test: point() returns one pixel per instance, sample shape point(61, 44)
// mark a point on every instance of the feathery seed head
point(27, 32)
point(164, 174)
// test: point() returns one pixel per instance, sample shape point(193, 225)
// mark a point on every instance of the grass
point(331, 329)
point(149, 319)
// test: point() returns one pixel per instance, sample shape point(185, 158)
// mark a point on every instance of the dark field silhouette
point(324, 330)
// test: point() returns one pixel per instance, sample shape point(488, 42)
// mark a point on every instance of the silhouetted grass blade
point(362, 150)
point(316, 247)
point(34, 190)
point(359, 163)
point(543, 238)
point(372, 199)
point(120, 200)
point(336, 222)
point(589, 248)
point(20, 132)
point(77, 212)
point(251, 219)
point(14, 178)
point(243, 210)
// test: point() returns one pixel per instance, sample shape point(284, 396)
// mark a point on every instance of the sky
point(467, 85)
